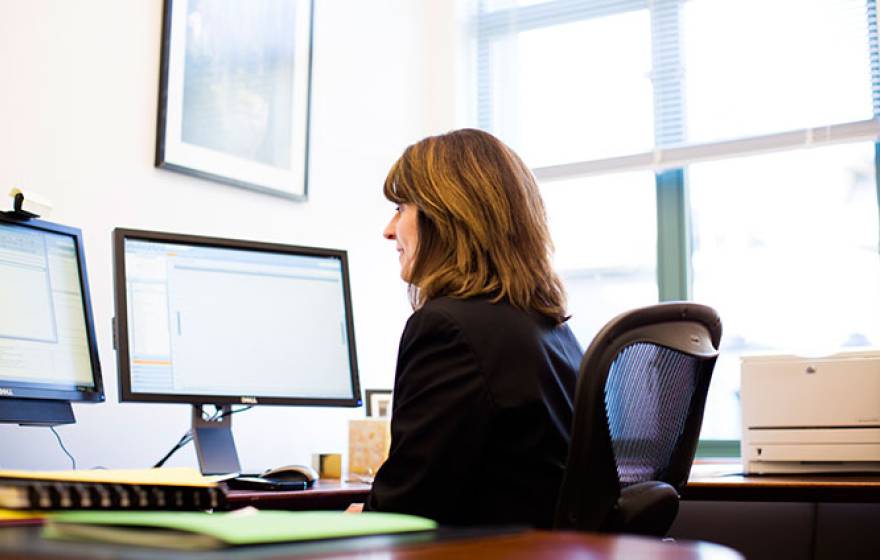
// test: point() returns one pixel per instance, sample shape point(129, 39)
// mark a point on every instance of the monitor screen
point(221, 321)
point(47, 341)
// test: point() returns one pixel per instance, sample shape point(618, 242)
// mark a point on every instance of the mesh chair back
point(647, 396)
point(638, 407)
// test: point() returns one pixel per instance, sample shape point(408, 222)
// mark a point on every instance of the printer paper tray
point(796, 467)
point(812, 450)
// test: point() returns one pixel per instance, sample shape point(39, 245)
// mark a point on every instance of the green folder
point(199, 530)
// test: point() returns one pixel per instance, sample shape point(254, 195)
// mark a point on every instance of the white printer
point(811, 415)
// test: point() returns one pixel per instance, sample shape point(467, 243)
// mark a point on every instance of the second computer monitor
point(211, 321)
point(221, 321)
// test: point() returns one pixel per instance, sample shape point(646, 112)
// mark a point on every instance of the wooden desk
point(19, 542)
point(725, 482)
point(768, 517)
point(820, 516)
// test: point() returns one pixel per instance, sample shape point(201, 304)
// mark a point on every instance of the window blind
point(677, 29)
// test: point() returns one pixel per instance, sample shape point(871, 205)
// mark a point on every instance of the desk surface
point(326, 494)
point(725, 482)
point(18, 542)
point(708, 482)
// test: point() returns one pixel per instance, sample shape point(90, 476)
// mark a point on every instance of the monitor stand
point(215, 446)
point(35, 412)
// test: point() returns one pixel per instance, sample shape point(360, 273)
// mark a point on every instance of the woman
point(486, 367)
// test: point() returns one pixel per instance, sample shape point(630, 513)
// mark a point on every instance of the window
point(753, 68)
point(605, 232)
point(552, 112)
point(785, 248)
point(716, 150)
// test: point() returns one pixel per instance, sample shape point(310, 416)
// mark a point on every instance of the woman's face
point(403, 228)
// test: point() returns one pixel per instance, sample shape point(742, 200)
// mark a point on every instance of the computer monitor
point(210, 321)
point(48, 355)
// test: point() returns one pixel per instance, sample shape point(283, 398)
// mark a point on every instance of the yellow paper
point(172, 476)
point(12, 515)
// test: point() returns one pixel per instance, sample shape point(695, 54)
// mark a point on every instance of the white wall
point(78, 91)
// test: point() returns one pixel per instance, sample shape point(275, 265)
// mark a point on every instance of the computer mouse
point(292, 473)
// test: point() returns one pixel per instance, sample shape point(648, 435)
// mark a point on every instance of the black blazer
point(481, 416)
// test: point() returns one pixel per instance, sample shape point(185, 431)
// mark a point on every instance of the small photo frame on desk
point(378, 403)
point(234, 93)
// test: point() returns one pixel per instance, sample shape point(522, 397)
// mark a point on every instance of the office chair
point(637, 415)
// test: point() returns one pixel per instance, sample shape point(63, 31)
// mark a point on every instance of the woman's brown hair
point(482, 228)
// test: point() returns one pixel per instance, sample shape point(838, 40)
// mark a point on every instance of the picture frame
point(378, 403)
point(234, 93)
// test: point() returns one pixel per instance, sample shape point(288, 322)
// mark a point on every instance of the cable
point(187, 437)
point(236, 411)
point(61, 443)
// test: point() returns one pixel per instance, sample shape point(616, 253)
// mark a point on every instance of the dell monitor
point(210, 321)
point(48, 355)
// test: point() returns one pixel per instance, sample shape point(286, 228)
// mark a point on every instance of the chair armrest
point(646, 508)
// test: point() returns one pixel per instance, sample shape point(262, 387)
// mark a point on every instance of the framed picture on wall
point(234, 93)
point(378, 403)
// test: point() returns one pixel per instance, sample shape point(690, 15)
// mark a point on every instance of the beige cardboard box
point(369, 440)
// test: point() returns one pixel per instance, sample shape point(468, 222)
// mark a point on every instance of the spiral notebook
point(118, 489)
